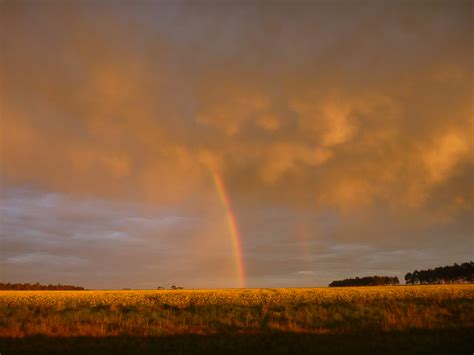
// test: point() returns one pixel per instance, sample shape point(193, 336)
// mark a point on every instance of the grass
point(340, 320)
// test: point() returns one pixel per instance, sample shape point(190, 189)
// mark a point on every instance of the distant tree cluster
point(37, 286)
point(173, 287)
point(463, 273)
point(366, 281)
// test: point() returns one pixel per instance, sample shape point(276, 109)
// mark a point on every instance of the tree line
point(456, 273)
point(366, 281)
point(37, 286)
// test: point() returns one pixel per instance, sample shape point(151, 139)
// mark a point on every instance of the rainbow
point(233, 227)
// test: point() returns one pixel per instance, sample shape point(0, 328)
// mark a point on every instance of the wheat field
point(235, 312)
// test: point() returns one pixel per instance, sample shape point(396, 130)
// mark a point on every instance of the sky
point(234, 143)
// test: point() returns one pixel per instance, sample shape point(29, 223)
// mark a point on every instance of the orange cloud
point(145, 114)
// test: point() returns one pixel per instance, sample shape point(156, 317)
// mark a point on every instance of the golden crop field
point(155, 313)
point(389, 320)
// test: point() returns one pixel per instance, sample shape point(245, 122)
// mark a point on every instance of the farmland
point(412, 318)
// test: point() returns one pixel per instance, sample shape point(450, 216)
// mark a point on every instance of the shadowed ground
point(444, 341)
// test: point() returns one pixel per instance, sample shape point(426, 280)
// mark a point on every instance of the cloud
point(50, 236)
point(304, 109)
point(443, 157)
point(41, 259)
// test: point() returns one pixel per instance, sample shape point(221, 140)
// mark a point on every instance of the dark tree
point(37, 286)
point(366, 281)
point(456, 273)
point(409, 279)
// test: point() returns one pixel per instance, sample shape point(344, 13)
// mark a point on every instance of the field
point(397, 319)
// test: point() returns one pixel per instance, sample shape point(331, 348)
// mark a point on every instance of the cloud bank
point(331, 124)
